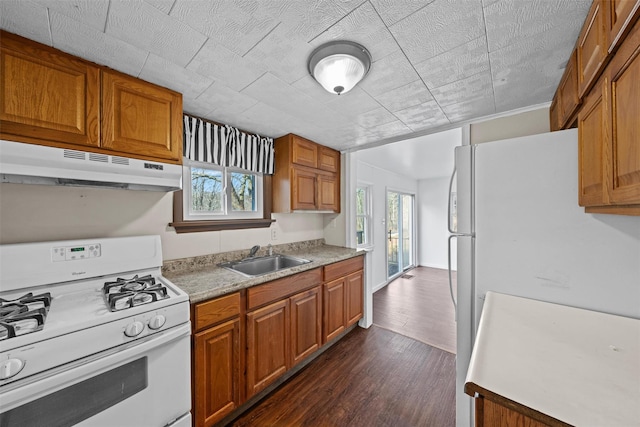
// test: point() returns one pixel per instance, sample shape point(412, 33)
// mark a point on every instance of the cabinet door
point(328, 193)
point(303, 152)
point(621, 15)
point(592, 47)
point(568, 90)
point(267, 345)
point(354, 297)
point(306, 324)
point(216, 373)
point(140, 118)
point(334, 314)
point(592, 131)
point(303, 190)
point(46, 95)
point(329, 160)
point(622, 170)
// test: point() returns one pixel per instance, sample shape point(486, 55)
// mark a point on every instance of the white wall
point(380, 180)
point(30, 213)
point(520, 124)
point(433, 200)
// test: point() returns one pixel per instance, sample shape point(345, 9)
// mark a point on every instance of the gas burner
point(23, 315)
point(126, 293)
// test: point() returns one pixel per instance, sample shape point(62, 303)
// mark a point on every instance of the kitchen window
point(226, 179)
point(220, 193)
point(363, 216)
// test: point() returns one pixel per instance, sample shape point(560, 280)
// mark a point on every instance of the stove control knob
point(157, 321)
point(10, 368)
point(134, 329)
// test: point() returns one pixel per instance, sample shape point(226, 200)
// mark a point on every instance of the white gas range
point(91, 333)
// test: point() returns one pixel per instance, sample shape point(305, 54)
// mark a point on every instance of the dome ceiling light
point(339, 65)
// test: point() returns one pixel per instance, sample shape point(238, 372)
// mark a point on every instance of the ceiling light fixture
point(339, 65)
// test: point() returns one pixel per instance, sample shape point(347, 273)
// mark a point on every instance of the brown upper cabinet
point(307, 176)
point(620, 17)
point(140, 118)
point(566, 101)
point(47, 96)
point(592, 47)
point(621, 159)
point(51, 98)
point(607, 107)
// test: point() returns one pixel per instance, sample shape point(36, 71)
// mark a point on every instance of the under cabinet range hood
point(23, 163)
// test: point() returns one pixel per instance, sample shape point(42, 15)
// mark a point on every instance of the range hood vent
point(36, 164)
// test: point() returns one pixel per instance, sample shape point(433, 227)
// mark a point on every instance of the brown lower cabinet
point(245, 341)
point(490, 414)
point(216, 358)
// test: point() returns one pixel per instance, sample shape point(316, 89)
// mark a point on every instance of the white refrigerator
point(520, 231)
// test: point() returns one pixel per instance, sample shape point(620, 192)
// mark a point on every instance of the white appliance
point(521, 232)
point(91, 334)
point(22, 163)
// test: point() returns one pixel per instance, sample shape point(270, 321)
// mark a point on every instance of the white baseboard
point(438, 266)
point(380, 286)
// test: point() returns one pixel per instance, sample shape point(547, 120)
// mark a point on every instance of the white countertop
point(581, 367)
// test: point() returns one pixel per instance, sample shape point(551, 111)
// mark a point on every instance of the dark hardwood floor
point(372, 377)
point(419, 308)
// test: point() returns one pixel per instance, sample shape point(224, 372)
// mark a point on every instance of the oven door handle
point(44, 383)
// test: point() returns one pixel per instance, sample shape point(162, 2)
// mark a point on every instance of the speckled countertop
point(202, 279)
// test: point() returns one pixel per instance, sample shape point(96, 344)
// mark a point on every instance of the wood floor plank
point(372, 377)
point(419, 308)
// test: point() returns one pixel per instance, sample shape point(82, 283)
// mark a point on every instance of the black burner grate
point(23, 315)
point(126, 293)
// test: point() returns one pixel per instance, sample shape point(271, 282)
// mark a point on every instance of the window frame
point(227, 210)
point(183, 222)
point(367, 216)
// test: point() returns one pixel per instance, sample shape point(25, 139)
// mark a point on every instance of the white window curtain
point(226, 146)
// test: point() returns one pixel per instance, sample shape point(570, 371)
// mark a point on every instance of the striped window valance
point(227, 146)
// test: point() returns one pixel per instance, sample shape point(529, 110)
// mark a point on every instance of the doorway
point(400, 233)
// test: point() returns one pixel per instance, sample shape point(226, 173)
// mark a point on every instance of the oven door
point(142, 383)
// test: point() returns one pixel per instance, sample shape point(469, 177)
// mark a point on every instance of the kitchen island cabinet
point(56, 99)
point(536, 364)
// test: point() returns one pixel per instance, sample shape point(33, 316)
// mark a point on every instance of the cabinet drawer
point(281, 288)
point(215, 311)
point(343, 268)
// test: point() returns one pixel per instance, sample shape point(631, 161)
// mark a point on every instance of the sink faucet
point(270, 249)
point(253, 251)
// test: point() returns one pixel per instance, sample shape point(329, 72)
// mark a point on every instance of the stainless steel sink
point(252, 267)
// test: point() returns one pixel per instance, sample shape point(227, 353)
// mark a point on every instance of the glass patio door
point(399, 232)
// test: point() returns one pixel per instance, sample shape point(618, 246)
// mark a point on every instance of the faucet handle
point(253, 251)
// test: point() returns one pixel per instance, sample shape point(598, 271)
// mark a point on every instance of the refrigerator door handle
point(455, 306)
point(453, 175)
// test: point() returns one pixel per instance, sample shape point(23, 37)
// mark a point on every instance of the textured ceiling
point(436, 63)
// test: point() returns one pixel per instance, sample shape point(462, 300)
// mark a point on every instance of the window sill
point(237, 224)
